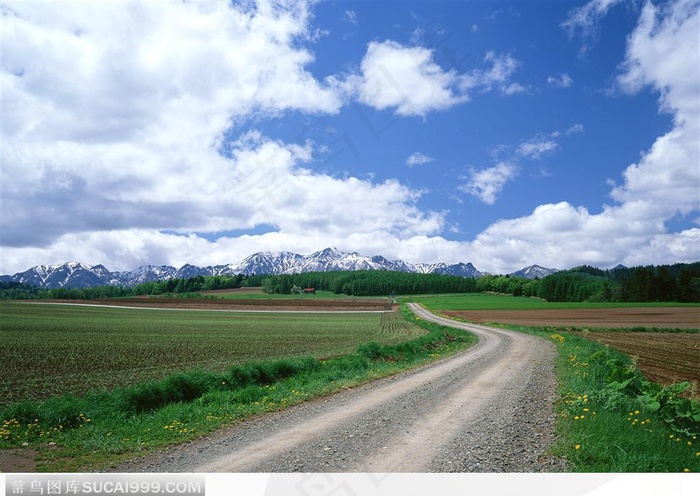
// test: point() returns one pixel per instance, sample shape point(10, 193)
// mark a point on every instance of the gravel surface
point(488, 409)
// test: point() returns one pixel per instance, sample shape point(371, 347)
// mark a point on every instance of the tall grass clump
point(612, 419)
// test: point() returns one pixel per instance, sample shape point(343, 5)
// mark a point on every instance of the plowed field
point(598, 318)
point(664, 357)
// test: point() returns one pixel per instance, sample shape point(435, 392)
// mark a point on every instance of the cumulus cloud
point(111, 133)
point(405, 78)
point(662, 52)
point(487, 184)
point(408, 80)
point(418, 158)
point(117, 142)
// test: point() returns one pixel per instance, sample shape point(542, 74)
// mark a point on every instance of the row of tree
point(17, 291)
point(679, 282)
point(366, 282)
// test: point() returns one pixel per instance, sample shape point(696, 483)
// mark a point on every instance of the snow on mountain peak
point(78, 275)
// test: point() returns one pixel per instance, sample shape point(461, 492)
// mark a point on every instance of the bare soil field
point(233, 291)
point(663, 357)
point(241, 304)
point(603, 318)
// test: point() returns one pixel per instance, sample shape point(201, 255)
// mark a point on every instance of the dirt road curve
point(488, 409)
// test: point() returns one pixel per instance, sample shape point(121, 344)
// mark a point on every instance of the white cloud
point(487, 184)
point(418, 158)
point(662, 52)
point(585, 18)
point(497, 77)
point(575, 129)
point(563, 81)
point(351, 16)
point(113, 120)
point(405, 78)
point(536, 147)
point(112, 128)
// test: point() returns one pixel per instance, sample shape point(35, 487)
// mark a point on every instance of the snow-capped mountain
point(534, 272)
point(146, 273)
point(78, 275)
point(266, 263)
point(71, 274)
point(460, 269)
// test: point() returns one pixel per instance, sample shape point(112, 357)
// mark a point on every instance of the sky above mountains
point(500, 133)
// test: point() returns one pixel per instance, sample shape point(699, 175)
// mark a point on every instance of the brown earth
point(603, 318)
point(243, 304)
point(664, 357)
point(20, 460)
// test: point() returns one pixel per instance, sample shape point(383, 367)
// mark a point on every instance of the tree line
point(180, 286)
point(678, 282)
point(366, 282)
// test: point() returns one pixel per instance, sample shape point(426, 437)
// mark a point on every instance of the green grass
point(54, 349)
point(610, 418)
point(605, 427)
point(484, 301)
point(101, 428)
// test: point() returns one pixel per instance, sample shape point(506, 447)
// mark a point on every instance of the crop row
point(54, 349)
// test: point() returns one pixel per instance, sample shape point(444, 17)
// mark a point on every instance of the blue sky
point(499, 133)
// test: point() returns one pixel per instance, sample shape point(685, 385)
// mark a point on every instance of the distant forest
point(667, 283)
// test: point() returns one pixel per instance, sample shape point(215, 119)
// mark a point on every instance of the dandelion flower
point(578, 446)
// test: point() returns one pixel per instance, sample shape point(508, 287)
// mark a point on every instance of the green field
point(485, 301)
point(54, 349)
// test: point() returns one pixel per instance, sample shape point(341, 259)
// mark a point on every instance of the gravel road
point(488, 409)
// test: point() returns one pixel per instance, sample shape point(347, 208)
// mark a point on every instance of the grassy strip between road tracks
point(611, 419)
point(102, 428)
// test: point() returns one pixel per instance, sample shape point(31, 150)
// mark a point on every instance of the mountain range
point(78, 275)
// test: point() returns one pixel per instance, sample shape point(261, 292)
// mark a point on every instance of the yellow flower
point(686, 470)
point(578, 446)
